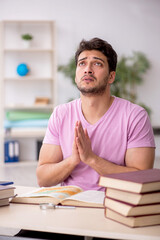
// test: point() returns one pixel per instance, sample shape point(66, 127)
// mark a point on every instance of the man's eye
point(98, 64)
point(81, 64)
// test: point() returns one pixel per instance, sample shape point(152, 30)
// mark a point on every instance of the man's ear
point(111, 77)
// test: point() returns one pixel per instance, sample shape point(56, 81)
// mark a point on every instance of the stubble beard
point(98, 90)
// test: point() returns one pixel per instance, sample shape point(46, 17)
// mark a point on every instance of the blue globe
point(22, 69)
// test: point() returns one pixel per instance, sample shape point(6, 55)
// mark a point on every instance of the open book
point(63, 195)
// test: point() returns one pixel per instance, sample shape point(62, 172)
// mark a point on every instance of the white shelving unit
point(19, 93)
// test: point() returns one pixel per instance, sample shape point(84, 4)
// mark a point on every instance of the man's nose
point(88, 69)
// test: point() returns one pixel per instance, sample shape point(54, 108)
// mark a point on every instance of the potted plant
point(129, 73)
point(26, 39)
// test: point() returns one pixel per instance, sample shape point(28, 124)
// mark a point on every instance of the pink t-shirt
point(125, 125)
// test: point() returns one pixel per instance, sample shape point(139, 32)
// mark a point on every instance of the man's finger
point(86, 133)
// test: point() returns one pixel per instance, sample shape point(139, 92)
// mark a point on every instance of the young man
point(97, 134)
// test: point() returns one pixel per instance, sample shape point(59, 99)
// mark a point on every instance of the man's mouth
point(88, 78)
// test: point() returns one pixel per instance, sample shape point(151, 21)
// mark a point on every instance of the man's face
point(92, 73)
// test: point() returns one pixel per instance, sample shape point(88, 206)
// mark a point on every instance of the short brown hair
point(99, 45)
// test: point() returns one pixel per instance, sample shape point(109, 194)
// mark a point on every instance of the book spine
point(16, 151)
point(11, 151)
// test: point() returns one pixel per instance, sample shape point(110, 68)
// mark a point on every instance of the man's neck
point(94, 107)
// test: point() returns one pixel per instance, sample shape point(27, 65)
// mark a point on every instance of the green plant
point(69, 69)
point(27, 37)
point(129, 73)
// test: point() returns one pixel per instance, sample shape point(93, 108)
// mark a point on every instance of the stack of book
point(133, 198)
point(6, 192)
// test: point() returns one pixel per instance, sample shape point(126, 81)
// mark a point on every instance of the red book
point(128, 210)
point(138, 181)
point(136, 221)
point(133, 198)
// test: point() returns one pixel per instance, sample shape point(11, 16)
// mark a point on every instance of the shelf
point(24, 163)
point(28, 21)
point(25, 133)
point(28, 78)
point(20, 93)
point(28, 50)
point(29, 107)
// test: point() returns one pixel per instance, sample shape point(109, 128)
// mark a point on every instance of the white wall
point(129, 25)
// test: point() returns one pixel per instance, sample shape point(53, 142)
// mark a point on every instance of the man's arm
point(51, 169)
point(135, 159)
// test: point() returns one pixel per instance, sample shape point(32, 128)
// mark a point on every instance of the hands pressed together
point(81, 150)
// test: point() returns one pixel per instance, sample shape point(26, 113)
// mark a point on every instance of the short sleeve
point(140, 132)
point(52, 132)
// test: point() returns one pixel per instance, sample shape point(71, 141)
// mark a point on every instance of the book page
point(91, 197)
point(59, 192)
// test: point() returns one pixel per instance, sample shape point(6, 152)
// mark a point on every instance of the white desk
point(78, 221)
